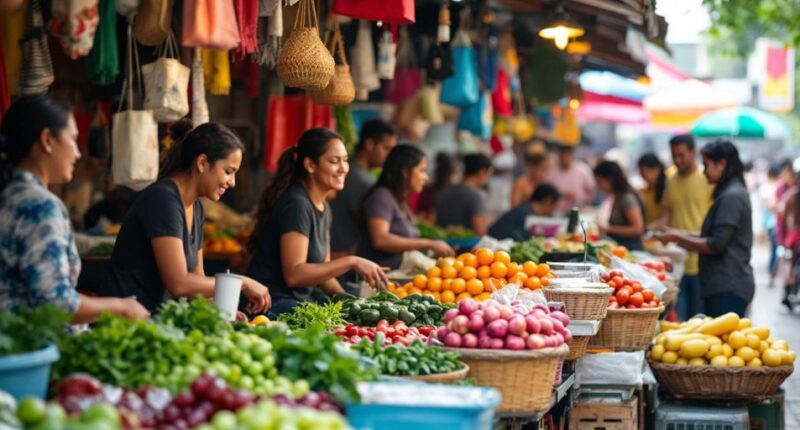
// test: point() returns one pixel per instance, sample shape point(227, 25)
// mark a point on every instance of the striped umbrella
point(741, 122)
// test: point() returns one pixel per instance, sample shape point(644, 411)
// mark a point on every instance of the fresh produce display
point(397, 333)
point(725, 341)
point(475, 275)
point(267, 414)
point(34, 414)
point(491, 325)
point(415, 359)
point(31, 330)
point(207, 396)
point(429, 231)
point(628, 293)
point(657, 268)
point(417, 310)
point(187, 315)
point(329, 315)
point(531, 250)
point(223, 241)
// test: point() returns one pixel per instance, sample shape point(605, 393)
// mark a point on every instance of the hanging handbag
point(477, 118)
point(439, 65)
point(199, 104)
point(429, 107)
point(462, 89)
point(304, 61)
point(74, 22)
point(152, 22)
point(365, 75)
point(407, 79)
point(340, 90)
point(289, 117)
point(210, 24)
point(387, 55)
point(103, 61)
point(501, 95)
point(134, 135)
point(36, 75)
point(166, 84)
point(391, 11)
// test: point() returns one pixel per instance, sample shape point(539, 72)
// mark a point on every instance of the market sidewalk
point(766, 310)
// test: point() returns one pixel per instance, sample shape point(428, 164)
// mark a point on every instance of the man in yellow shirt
point(687, 198)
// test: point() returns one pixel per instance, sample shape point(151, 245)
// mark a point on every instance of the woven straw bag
point(305, 62)
point(340, 90)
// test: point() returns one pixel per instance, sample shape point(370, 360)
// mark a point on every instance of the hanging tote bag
point(501, 95)
point(210, 24)
point(127, 7)
point(134, 135)
point(462, 88)
point(199, 104)
point(36, 75)
point(152, 22)
point(429, 108)
point(74, 22)
point(477, 119)
point(103, 61)
point(304, 61)
point(407, 79)
point(362, 57)
point(391, 11)
point(340, 90)
point(166, 84)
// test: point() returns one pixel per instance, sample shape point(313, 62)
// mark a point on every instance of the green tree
point(779, 19)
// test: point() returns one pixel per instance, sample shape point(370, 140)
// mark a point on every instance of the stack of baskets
point(584, 301)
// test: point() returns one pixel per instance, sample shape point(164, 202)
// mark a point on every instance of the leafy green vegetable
point(329, 315)
point(531, 250)
point(31, 330)
point(198, 314)
point(429, 231)
point(415, 359)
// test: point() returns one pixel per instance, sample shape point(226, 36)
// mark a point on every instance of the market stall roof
point(741, 122)
point(684, 102)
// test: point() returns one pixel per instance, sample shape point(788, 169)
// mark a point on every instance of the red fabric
point(247, 17)
point(287, 118)
point(253, 79)
point(392, 11)
point(501, 96)
point(405, 84)
point(84, 122)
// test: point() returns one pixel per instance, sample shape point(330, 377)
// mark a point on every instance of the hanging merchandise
point(346, 127)
point(477, 118)
point(289, 117)
point(14, 25)
point(304, 61)
point(99, 136)
point(462, 89)
point(210, 24)
point(489, 57)
point(199, 104)
point(521, 126)
point(74, 23)
point(501, 95)
point(443, 29)
point(127, 7)
point(103, 62)
point(565, 127)
point(37, 72)
point(247, 18)
point(439, 65)
point(509, 59)
point(216, 71)
point(152, 22)
point(166, 84)
point(391, 11)
point(407, 79)
point(270, 33)
point(340, 90)
point(362, 56)
point(134, 134)
point(387, 54)
point(429, 107)
point(545, 85)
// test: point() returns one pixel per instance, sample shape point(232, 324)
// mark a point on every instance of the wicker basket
point(304, 61)
point(670, 295)
point(577, 347)
point(340, 90)
point(524, 378)
point(582, 303)
point(720, 383)
point(627, 329)
point(442, 378)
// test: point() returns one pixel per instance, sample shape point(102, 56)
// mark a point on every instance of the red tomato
point(662, 276)
point(656, 300)
point(618, 280)
point(636, 300)
point(351, 330)
point(613, 298)
point(660, 266)
point(382, 324)
point(636, 286)
point(612, 284)
point(399, 324)
point(623, 295)
point(615, 273)
point(648, 295)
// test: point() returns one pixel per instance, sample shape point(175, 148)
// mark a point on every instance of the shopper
point(626, 221)
point(464, 205)
point(726, 237)
point(511, 225)
point(573, 178)
point(537, 165)
point(389, 227)
point(687, 198)
point(377, 138)
point(159, 249)
point(39, 261)
point(651, 169)
point(444, 174)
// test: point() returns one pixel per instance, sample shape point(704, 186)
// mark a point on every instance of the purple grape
point(184, 400)
point(171, 414)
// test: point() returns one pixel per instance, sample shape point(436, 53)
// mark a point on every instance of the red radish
point(485, 342)
point(559, 339)
point(497, 344)
point(558, 326)
point(515, 343)
point(535, 341)
point(469, 340)
point(542, 308)
point(517, 326)
point(497, 329)
point(567, 335)
point(453, 340)
point(506, 312)
point(532, 324)
point(449, 315)
point(561, 316)
point(476, 323)
point(441, 333)
point(547, 326)
point(467, 307)
point(490, 314)
point(460, 324)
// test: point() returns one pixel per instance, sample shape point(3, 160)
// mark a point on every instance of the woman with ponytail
point(39, 262)
point(290, 245)
point(159, 250)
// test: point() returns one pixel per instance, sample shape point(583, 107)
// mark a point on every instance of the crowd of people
point(326, 217)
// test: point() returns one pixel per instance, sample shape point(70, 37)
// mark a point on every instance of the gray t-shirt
point(380, 203)
point(294, 211)
point(617, 217)
point(156, 212)
point(457, 204)
point(728, 230)
point(346, 209)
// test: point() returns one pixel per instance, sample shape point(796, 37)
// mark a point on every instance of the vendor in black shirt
point(159, 250)
point(290, 245)
point(511, 225)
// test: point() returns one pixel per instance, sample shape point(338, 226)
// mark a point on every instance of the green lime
point(31, 411)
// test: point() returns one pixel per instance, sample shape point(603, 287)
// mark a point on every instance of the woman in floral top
point(39, 263)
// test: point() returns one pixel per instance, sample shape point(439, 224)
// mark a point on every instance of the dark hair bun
point(179, 129)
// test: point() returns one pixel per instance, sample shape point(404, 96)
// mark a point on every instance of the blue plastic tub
point(23, 375)
point(472, 408)
point(463, 245)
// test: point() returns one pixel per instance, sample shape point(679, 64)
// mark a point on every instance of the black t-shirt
point(157, 212)
point(294, 211)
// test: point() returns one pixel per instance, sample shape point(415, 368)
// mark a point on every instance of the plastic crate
point(767, 415)
point(689, 417)
point(413, 406)
point(27, 374)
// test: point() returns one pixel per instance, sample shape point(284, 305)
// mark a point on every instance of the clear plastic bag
point(613, 368)
point(517, 298)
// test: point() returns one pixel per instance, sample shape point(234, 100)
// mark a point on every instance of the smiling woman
point(159, 248)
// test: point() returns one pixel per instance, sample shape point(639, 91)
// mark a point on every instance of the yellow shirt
point(652, 208)
point(688, 198)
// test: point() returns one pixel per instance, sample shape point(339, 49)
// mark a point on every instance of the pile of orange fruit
point(474, 275)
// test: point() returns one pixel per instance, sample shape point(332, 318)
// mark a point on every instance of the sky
point(686, 18)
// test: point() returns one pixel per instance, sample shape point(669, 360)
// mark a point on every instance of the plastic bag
point(613, 368)
point(635, 271)
point(494, 244)
point(517, 298)
point(415, 260)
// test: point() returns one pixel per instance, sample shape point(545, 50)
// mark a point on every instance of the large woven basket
point(720, 383)
point(524, 378)
point(442, 378)
point(627, 329)
point(340, 90)
point(304, 61)
point(582, 303)
point(577, 347)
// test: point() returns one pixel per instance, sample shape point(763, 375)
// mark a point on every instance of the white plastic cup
point(227, 289)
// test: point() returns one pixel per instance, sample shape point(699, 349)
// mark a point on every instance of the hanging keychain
point(443, 30)
point(387, 53)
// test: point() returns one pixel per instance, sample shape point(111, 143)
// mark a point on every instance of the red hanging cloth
point(247, 17)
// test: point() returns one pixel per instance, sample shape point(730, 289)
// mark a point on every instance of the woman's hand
point(665, 235)
point(258, 298)
point(130, 308)
point(372, 273)
point(440, 248)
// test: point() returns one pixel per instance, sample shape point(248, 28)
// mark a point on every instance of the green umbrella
point(741, 122)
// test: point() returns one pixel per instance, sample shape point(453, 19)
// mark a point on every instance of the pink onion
point(449, 315)
point(476, 324)
point(441, 333)
point(561, 316)
point(497, 344)
point(515, 343)
point(558, 326)
point(532, 324)
point(535, 341)
point(497, 329)
point(547, 326)
point(460, 325)
point(490, 314)
point(467, 307)
point(469, 340)
point(453, 340)
point(506, 312)
point(517, 326)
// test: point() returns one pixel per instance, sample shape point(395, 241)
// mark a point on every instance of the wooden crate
point(591, 414)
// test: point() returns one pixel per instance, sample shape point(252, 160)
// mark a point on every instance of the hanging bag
point(152, 22)
point(387, 55)
point(74, 22)
point(439, 65)
point(127, 7)
point(365, 75)
point(477, 119)
point(166, 84)
point(134, 134)
point(210, 24)
point(103, 60)
point(462, 88)
point(501, 95)
point(304, 61)
point(429, 107)
point(199, 104)
point(391, 11)
point(340, 90)
point(36, 75)
point(406, 80)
